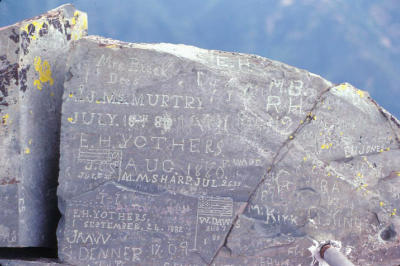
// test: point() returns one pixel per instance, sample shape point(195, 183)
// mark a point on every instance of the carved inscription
point(163, 146)
point(150, 129)
point(125, 227)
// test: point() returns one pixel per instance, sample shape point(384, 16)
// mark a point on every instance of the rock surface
point(175, 155)
point(32, 69)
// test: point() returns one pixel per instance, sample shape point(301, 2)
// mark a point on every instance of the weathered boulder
point(175, 155)
point(32, 70)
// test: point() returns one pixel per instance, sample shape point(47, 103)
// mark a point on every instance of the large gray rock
point(32, 70)
point(175, 155)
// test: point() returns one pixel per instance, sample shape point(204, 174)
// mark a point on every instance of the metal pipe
point(333, 256)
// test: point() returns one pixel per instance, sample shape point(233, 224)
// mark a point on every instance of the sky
point(341, 40)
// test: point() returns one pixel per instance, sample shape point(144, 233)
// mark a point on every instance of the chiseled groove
point(348, 159)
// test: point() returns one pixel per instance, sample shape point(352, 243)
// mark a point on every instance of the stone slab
point(175, 155)
point(32, 70)
point(337, 179)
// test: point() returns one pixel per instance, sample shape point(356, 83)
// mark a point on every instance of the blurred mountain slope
point(353, 41)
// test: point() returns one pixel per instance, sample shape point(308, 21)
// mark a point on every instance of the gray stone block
point(336, 179)
point(32, 70)
point(175, 155)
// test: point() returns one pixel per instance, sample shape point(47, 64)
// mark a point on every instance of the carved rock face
point(32, 69)
point(175, 154)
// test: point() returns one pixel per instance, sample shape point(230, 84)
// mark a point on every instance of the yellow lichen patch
point(398, 173)
point(97, 101)
point(394, 212)
point(70, 119)
point(290, 137)
point(51, 94)
point(360, 175)
point(326, 146)
point(381, 150)
point(76, 15)
point(44, 72)
point(79, 23)
point(4, 119)
point(305, 158)
point(111, 46)
point(30, 141)
point(33, 28)
point(361, 93)
point(381, 204)
point(27, 150)
point(387, 149)
point(71, 95)
point(342, 87)
point(341, 133)
point(362, 186)
point(301, 121)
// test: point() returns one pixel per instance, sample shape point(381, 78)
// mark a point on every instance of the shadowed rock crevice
point(28, 253)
